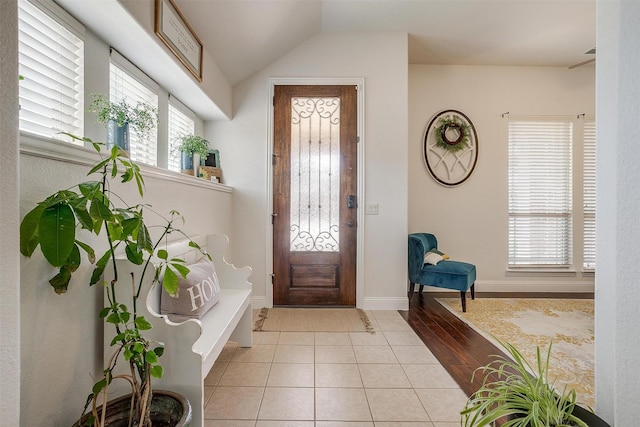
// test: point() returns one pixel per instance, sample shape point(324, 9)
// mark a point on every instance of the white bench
point(192, 347)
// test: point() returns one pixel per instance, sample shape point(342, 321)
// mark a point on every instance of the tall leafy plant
point(54, 225)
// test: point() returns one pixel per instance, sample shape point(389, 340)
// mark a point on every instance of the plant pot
point(117, 135)
point(168, 409)
point(186, 163)
point(589, 417)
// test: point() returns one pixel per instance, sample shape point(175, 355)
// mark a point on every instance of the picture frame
point(176, 33)
point(213, 159)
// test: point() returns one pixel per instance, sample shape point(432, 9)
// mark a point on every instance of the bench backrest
point(228, 275)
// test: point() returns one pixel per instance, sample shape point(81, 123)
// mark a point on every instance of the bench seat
point(192, 346)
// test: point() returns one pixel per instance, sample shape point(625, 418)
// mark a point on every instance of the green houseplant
point(118, 116)
point(60, 223)
point(510, 392)
point(188, 145)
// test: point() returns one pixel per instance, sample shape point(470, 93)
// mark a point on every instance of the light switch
point(372, 209)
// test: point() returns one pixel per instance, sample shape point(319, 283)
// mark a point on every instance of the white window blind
point(181, 123)
point(129, 83)
point(589, 194)
point(51, 60)
point(540, 199)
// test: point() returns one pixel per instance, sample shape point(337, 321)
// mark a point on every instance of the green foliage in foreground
point(510, 392)
point(60, 223)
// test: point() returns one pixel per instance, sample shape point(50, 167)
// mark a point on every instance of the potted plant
point(93, 206)
point(510, 393)
point(117, 117)
point(188, 146)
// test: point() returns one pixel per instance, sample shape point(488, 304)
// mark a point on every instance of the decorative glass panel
point(315, 174)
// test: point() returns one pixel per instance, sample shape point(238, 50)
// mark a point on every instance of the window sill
point(75, 154)
point(541, 272)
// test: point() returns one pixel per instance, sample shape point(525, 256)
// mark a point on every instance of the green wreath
point(452, 122)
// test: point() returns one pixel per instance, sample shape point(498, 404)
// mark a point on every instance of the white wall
point(9, 259)
point(471, 220)
point(381, 59)
point(617, 353)
point(61, 336)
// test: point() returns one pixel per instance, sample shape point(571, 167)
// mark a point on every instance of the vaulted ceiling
point(244, 36)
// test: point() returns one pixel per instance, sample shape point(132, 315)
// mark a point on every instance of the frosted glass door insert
point(315, 174)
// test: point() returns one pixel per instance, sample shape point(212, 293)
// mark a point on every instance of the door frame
point(304, 81)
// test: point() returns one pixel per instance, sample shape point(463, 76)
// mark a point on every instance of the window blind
point(589, 195)
point(128, 83)
point(540, 200)
point(51, 60)
point(181, 123)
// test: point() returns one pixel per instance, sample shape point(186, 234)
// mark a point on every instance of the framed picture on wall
point(174, 30)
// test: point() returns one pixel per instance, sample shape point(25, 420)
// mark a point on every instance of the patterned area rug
point(527, 323)
point(312, 320)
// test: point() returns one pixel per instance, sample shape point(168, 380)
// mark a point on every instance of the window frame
point(187, 113)
point(75, 108)
point(145, 83)
point(576, 242)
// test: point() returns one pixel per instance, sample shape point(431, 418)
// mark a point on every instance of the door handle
point(351, 224)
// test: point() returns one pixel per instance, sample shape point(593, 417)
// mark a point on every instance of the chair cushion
point(448, 274)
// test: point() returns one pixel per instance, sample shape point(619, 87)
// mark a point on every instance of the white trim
point(317, 81)
point(61, 16)
point(384, 303)
point(540, 272)
point(132, 69)
point(523, 286)
point(69, 153)
point(259, 302)
point(179, 105)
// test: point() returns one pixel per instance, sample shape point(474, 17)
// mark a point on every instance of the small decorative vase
point(186, 163)
point(117, 135)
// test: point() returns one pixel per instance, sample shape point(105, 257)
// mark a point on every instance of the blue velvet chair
point(460, 276)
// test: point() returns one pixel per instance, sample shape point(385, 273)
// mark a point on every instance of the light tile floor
point(333, 379)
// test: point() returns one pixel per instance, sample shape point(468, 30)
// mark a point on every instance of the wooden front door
point(314, 195)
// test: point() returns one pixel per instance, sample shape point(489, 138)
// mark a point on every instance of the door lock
point(351, 201)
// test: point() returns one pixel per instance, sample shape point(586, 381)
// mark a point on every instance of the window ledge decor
point(450, 147)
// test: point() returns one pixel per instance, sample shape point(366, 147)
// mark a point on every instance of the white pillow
point(432, 258)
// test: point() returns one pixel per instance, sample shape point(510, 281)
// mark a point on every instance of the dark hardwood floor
point(459, 348)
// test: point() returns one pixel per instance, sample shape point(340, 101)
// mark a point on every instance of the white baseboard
point(526, 286)
point(386, 303)
point(374, 303)
point(258, 302)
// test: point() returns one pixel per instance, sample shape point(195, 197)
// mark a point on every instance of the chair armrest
point(419, 245)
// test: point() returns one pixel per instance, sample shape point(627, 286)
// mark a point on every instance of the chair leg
point(473, 290)
point(412, 288)
point(420, 289)
point(463, 298)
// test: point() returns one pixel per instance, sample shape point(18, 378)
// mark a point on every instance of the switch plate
point(372, 209)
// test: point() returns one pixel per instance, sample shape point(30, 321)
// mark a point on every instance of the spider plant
point(510, 392)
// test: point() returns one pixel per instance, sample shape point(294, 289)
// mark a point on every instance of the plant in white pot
point(189, 145)
point(61, 225)
point(117, 117)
